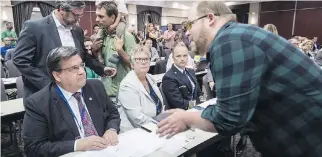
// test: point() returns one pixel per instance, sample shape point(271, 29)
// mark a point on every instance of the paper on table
point(213, 101)
point(134, 143)
point(175, 143)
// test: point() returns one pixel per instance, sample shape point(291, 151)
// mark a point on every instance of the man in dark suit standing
point(71, 113)
point(180, 84)
point(39, 37)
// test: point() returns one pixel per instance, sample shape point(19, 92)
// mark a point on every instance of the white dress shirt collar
point(67, 94)
point(181, 70)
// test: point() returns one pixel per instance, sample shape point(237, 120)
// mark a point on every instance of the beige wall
point(253, 16)
point(169, 15)
point(5, 12)
point(132, 17)
point(175, 16)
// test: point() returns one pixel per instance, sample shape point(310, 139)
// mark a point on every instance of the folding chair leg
point(19, 123)
point(234, 145)
point(10, 132)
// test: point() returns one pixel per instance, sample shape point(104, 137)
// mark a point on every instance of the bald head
point(180, 47)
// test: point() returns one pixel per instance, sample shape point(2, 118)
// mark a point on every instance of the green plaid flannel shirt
point(268, 88)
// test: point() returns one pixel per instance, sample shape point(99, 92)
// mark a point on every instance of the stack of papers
point(134, 143)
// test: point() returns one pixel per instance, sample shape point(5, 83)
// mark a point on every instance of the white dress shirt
point(182, 70)
point(65, 33)
point(72, 102)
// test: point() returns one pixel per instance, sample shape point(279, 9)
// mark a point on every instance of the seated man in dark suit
point(179, 84)
point(71, 113)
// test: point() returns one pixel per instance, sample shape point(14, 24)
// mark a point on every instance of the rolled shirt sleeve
point(238, 67)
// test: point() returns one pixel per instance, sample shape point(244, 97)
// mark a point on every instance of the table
point(12, 111)
point(154, 154)
point(9, 83)
point(201, 140)
point(12, 107)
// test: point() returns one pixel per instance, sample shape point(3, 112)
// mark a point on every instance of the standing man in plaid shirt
point(264, 85)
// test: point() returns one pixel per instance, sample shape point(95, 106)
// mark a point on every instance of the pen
point(154, 122)
point(146, 129)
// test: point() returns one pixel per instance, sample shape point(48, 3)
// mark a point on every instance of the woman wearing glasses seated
point(139, 98)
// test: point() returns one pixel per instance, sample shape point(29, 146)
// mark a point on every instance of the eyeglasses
point(141, 60)
point(190, 23)
point(75, 68)
point(77, 15)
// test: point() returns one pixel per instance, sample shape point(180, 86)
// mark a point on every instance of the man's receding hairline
point(180, 46)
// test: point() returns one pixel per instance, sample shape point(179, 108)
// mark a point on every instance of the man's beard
point(69, 23)
point(201, 44)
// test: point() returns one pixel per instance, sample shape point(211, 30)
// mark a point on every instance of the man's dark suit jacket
point(178, 93)
point(49, 128)
point(36, 40)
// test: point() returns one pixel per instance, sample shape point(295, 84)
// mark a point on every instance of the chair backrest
point(165, 101)
point(208, 91)
point(3, 74)
point(20, 88)
point(202, 65)
point(160, 67)
point(9, 54)
point(3, 92)
point(12, 69)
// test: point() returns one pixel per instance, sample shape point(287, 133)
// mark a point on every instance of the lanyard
point(191, 82)
point(70, 109)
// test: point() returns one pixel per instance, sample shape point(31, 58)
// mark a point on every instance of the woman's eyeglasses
point(141, 60)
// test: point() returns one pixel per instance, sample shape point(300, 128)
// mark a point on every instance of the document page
point(134, 143)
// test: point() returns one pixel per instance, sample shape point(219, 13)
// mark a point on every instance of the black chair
point(9, 54)
point(165, 101)
point(202, 65)
point(20, 87)
point(4, 96)
point(209, 92)
point(12, 69)
point(160, 67)
point(3, 74)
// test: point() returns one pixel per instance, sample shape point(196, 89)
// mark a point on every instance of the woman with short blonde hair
point(272, 28)
point(139, 97)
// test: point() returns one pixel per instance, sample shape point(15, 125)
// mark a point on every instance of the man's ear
point(211, 19)
point(56, 76)
point(113, 18)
